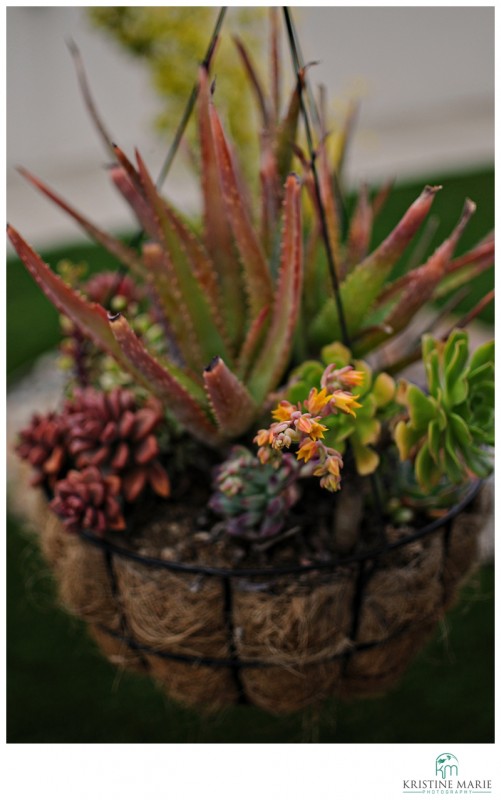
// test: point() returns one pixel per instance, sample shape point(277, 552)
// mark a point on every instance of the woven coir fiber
point(279, 643)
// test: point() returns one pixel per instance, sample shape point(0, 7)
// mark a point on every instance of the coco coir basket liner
point(213, 637)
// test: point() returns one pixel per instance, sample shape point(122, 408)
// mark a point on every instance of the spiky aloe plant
point(229, 322)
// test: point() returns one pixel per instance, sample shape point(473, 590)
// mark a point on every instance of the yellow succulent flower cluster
point(299, 424)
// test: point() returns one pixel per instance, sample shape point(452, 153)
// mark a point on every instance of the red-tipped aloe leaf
point(275, 62)
point(482, 252)
point(420, 286)
point(466, 276)
point(167, 298)
point(217, 231)
point(90, 317)
point(381, 197)
point(359, 234)
point(256, 84)
point(270, 194)
point(134, 198)
point(129, 182)
point(201, 265)
point(117, 249)
point(256, 272)
point(286, 134)
point(329, 202)
point(361, 288)
point(184, 398)
point(252, 343)
point(276, 349)
point(230, 401)
point(194, 301)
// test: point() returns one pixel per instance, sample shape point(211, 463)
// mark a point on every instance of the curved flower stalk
point(450, 430)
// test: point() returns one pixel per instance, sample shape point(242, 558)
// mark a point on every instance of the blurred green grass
point(61, 690)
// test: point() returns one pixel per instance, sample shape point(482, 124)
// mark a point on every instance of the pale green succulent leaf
point(383, 389)
point(457, 337)
point(427, 472)
point(481, 374)
point(460, 430)
point(365, 369)
point(367, 431)
point(432, 366)
point(428, 345)
point(422, 409)
point(484, 354)
point(457, 392)
point(455, 360)
point(454, 466)
point(366, 459)
point(336, 353)
point(406, 438)
point(479, 461)
point(434, 438)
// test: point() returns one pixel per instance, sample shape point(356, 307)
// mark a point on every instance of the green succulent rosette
point(375, 394)
point(450, 430)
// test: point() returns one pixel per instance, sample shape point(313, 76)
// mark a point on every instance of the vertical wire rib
point(232, 647)
point(446, 541)
point(124, 627)
point(365, 572)
point(301, 78)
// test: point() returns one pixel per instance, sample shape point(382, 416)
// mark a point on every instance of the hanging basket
point(279, 638)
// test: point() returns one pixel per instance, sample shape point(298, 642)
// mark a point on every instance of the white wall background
point(425, 75)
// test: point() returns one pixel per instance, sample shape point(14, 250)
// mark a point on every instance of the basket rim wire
point(292, 569)
point(366, 562)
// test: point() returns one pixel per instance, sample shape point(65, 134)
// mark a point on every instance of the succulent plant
point(108, 431)
point(299, 424)
point(408, 499)
point(88, 500)
point(43, 445)
point(254, 498)
point(220, 320)
point(450, 430)
point(374, 401)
